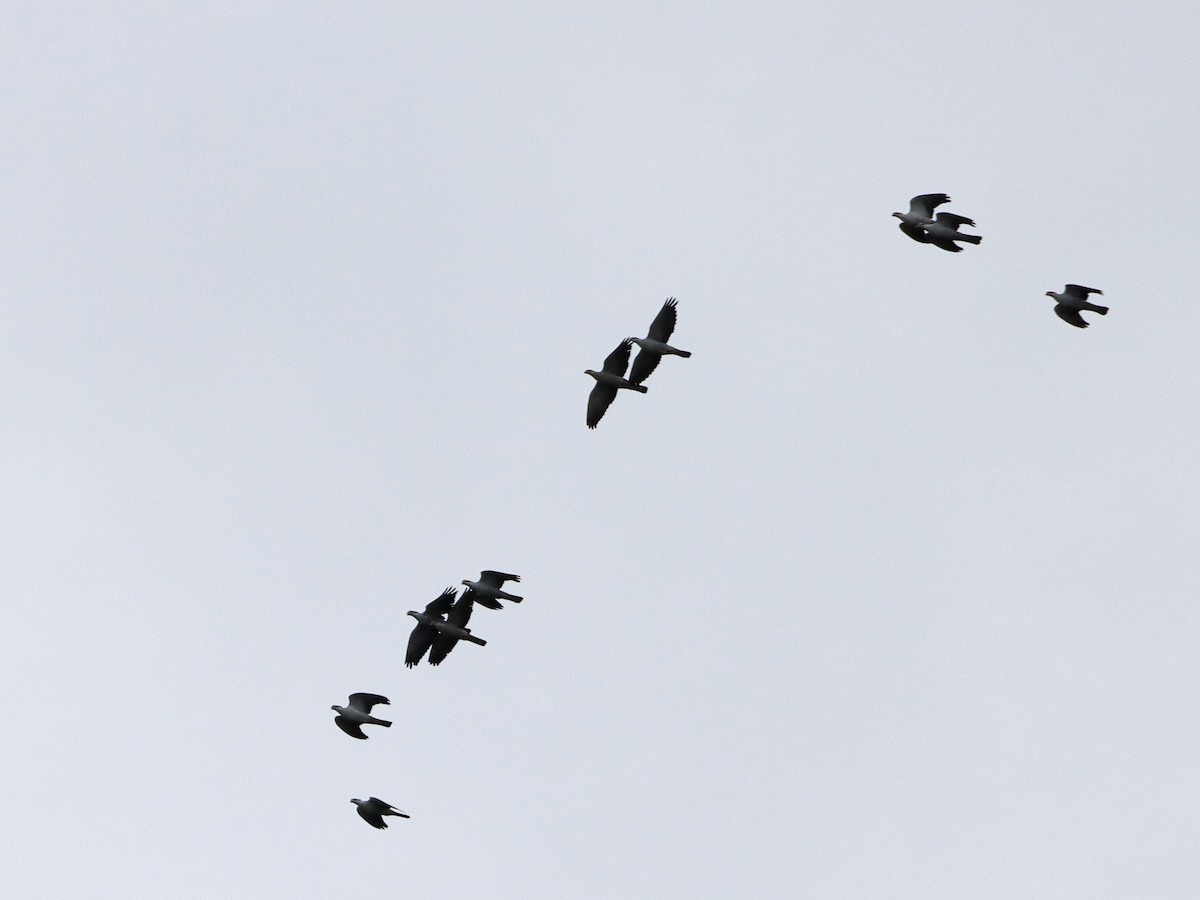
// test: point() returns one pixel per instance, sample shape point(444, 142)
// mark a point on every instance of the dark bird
point(654, 345)
point(454, 630)
point(438, 619)
point(373, 810)
point(358, 713)
point(1073, 300)
point(943, 232)
point(920, 214)
point(609, 380)
point(487, 590)
point(422, 636)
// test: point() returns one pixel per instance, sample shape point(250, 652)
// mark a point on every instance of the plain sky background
point(890, 591)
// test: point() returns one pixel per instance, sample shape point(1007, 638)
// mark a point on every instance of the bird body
point(373, 810)
point(358, 713)
point(453, 630)
point(487, 590)
point(654, 345)
point(943, 232)
point(920, 213)
point(1072, 301)
point(609, 380)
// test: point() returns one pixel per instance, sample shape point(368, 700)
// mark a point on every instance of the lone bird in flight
point(487, 590)
point(434, 622)
point(920, 225)
point(358, 713)
point(373, 810)
point(609, 380)
point(654, 345)
point(1073, 300)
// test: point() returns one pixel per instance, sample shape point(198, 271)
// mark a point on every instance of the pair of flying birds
point(920, 224)
point(350, 719)
point(611, 377)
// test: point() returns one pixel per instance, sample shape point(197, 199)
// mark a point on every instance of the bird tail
point(640, 388)
point(474, 640)
point(383, 723)
point(684, 353)
point(1103, 310)
point(969, 238)
point(513, 598)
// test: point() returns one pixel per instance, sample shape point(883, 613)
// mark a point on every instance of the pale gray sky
point(889, 591)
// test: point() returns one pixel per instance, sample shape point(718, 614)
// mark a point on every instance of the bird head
point(416, 615)
point(1051, 294)
point(585, 372)
point(898, 215)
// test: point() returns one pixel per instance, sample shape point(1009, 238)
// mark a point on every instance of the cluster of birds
point(443, 622)
point(920, 224)
point(611, 377)
point(440, 626)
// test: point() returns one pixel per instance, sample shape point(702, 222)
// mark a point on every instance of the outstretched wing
point(953, 221)
point(643, 364)
point(618, 361)
point(373, 818)
point(492, 578)
point(442, 645)
point(364, 702)
point(1078, 290)
point(351, 728)
point(442, 603)
point(923, 205)
point(664, 322)
point(601, 398)
point(391, 810)
point(418, 644)
point(482, 599)
point(1070, 315)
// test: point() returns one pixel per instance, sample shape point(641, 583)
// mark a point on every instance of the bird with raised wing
point(373, 810)
point(487, 590)
point(609, 380)
point(422, 636)
point(454, 630)
point(654, 345)
point(943, 232)
point(920, 214)
point(1073, 300)
point(358, 713)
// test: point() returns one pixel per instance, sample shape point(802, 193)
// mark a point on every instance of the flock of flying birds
point(920, 224)
point(440, 626)
point(443, 622)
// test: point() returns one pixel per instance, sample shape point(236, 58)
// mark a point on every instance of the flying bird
point(373, 810)
point(654, 345)
point(1073, 300)
point(454, 630)
point(943, 232)
point(487, 590)
point(358, 713)
point(422, 636)
point(609, 380)
point(920, 214)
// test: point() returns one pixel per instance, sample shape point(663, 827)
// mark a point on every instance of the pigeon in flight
point(654, 345)
point(434, 622)
point(487, 590)
point(373, 810)
point(943, 232)
point(1072, 301)
point(609, 380)
point(454, 630)
point(920, 214)
point(422, 636)
point(358, 713)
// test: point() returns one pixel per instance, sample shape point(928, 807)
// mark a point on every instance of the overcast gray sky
point(889, 591)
